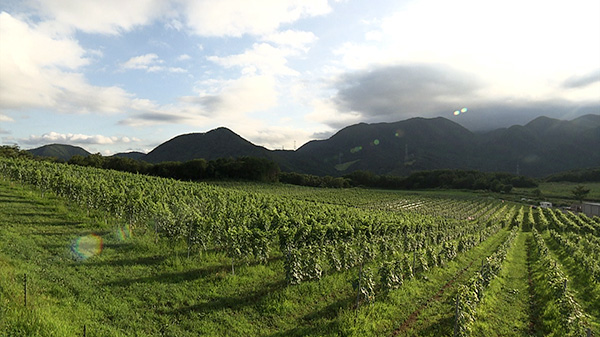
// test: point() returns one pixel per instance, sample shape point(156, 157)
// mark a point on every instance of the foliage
point(576, 176)
point(245, 168)
point(449, 179)
point(580, 192)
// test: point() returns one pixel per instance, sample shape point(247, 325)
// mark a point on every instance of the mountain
point(394, 148)
point(132, 155)
point(542, 146)
point(539, 148)
point(60, 151)
point(217, 143)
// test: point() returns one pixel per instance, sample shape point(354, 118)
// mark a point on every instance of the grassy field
point(132, 285)
point(560, 192)
point(89, 272)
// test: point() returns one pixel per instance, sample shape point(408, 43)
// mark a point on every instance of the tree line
point(447, 179)
point(265, 170)
point(242, 168)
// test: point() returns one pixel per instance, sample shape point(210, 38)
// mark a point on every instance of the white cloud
point(76, 139)
point(4, 118)
point(150, 63)
point(292, 38)
point(229, 101)
point(183, 57)
point(239, 17)
point(325, 111)
point(142, 61)
point(106, 17)
point(39, 71)
point(263, 58)
point(235, 98)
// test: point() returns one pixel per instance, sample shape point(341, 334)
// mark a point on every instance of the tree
point(580, 192)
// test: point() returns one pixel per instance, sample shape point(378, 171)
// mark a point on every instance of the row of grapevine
point(585, 250)
point(471, 293)
point(313, 238)
point(570, 222)
point(573, 318)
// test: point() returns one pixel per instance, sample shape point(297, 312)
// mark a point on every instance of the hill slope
point(60, 151)
point(217, 143)
point(541, 147)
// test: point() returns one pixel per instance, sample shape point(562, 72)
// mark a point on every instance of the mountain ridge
point(541, 147)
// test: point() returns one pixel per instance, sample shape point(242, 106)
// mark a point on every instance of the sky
point(116, 76)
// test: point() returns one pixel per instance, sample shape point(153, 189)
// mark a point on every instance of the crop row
point(571, 315)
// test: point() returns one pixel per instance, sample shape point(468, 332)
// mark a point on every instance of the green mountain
point(60, 151)
point(541, 147)
point(217, 143)
point(395, 148)
point(132, 155)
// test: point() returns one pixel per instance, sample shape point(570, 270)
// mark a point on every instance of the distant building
point(591, 208)
point(545, 204)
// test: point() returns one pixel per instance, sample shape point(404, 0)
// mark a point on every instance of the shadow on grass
point(44, 214)
point(442, 326)
point(331, 310)
point(174, 277)
point(19, 200)
point(331, 328)
point(140, 261)
point(230, 302)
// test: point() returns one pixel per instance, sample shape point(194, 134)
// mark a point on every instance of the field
point(560, 192)
point(102, 253)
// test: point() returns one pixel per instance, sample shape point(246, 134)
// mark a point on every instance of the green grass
point(505, 309)
point(560, 192)
point(136, 286)
point(431, 294)
point(587, 292)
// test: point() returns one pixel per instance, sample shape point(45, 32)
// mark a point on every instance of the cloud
point(228, 100)
point(487, 115)
point(4, 118)
point(401, 91)
point(582, 81)
point(142, 62)
point(240, 17)
point(39, 71)
point(105, 17)
point(150, 63)
point(263, 58)
point(183, 57)
point(292, 38)
point(397, 92)
point(76, 139)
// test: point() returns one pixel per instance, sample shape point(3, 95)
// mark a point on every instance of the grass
point(137, 286)
point(134, 286)
point(560, 192)
point(587, 292)
point(422, 305)
point(505, 310)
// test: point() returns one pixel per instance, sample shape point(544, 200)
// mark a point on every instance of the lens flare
point(376, 142)
point(356, 149)
point(87, 246)
point(463, 110)
point(456, 113)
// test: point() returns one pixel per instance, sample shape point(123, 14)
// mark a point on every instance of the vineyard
point(94, 252)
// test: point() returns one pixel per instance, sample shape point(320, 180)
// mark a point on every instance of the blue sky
point(114, 76)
